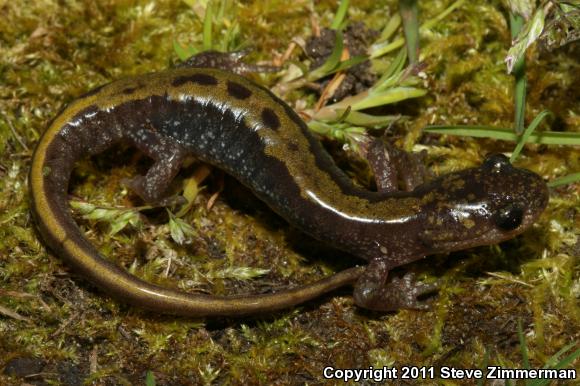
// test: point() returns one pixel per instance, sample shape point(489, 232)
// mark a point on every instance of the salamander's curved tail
point(122, 285)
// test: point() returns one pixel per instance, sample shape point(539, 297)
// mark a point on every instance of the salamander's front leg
point(372, 291)
point(168, 156)
point(395, 169)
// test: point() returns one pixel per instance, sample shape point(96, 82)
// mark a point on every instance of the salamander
point(229, 121)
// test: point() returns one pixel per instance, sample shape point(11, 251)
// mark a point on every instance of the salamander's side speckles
point(270, 118)
point(247, 131)
point(202, 79)
point(238, 91)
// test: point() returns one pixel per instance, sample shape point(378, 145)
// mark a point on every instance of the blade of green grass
point(503, 134)
point(391, 95)
point(380, 49)
point(523, 346)
point(367, 120)
point(149, 378)
point(530, 129)
point(569, 179)
point(392, 25)
point(207, 26)
point(430, 23)
point(331, 62)
point(377, 50)
point(483, 366)
point(555, 363)
point(221, 13)
point(337, 22)
point(345, 64)
point(516, 24)
point(394, 68)
point(409, 14)
point(183, 53)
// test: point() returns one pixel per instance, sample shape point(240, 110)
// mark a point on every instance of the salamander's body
point(242, 128)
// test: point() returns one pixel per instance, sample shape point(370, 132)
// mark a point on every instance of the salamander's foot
point(396, 169)
point(228, 61)
point(403, 292)
point(139, 186)
point(168, 155)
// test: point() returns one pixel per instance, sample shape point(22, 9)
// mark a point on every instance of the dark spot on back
point(292, 146)
point(323, 161)
point(289, 112)
point(270, 118)
point(238, 91)
point(130, 90)
point(202, 79)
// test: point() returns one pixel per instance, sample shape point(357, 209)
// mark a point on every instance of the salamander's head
point(480, 206)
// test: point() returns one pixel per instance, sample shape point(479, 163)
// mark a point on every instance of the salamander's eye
point(509, 217)
point(496, 162)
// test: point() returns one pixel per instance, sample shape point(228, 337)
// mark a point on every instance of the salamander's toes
point(417, 287)
point(397, 293)
point(413, 290)
point(138, 185)
point(172, 201)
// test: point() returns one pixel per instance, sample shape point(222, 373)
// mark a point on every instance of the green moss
point(52, 51)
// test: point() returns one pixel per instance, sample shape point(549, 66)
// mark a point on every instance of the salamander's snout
point(480, 206)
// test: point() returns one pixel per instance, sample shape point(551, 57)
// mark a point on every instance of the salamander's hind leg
point(168, 156)
point(372, 291)
point(395, 169)
point(228, 61)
